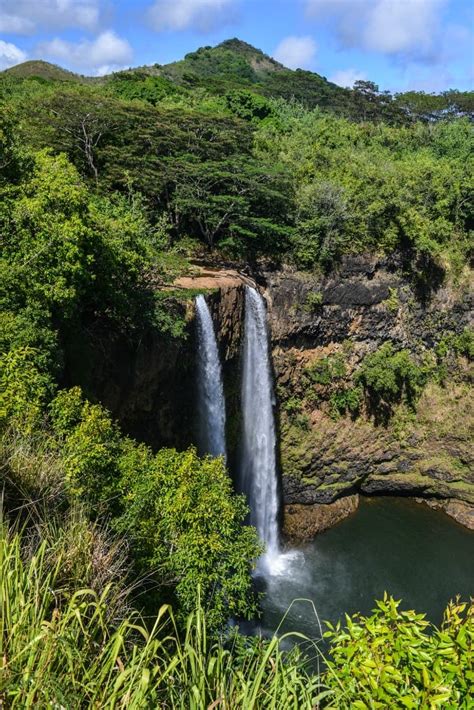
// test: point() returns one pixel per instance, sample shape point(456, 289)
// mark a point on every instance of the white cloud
point(107, 52)
point(347, 77)
point(15, 24)
point(296, 52)
point(202, 15)
point(10, 55)
point(405, 29)
point(107, 69)
point(26, 16)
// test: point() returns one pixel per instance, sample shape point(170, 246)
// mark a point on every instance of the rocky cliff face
point(347, 316)
point(325, 460)
point(149, 383)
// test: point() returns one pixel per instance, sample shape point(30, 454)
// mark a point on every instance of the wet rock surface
point(303, 522)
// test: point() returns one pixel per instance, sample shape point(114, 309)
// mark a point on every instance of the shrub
point(392, 303)
point(313, 301)
point(184, 521)
point(90, 445)
point(185, 525)
point(293, 406)
point(345, 400)
point(397, 659)
point(389, 377)
point(23, 389)
point(462, 344)
point(326, 369)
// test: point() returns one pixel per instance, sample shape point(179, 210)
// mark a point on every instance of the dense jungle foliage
point(107, 190)
point(222, 156)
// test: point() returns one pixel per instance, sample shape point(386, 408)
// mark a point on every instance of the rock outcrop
point(461, 511)
point(351, 313)
point(149, 383)
point(303, 522)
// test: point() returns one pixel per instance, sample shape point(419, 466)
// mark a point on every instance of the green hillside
point(43, 70)
point(234, 65)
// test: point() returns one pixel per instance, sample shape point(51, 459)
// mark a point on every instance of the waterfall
point(210, 387)
point(258, 465)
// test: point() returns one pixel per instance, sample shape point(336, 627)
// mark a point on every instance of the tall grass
point(60, 648)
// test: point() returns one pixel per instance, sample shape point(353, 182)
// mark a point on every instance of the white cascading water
point(258, 465)
point(210, 386)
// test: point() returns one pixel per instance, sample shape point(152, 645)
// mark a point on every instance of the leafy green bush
point(319, 237)
point(178, 511)
point(329, 374)
point(345, 399)
point(134, 86)
point(313, 301)
point(247, 105)
point(397, 659)
point(462, 344)
point(389, 377)
point(293, 406)
point(90, 444)
point(392, 303)
point(184, 520)
point(327, 369)
point(23, 390)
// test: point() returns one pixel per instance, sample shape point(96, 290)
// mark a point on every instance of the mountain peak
point(250, 53)
point(238, 45)
point(43, 70)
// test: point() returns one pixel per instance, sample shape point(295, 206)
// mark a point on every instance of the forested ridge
point(121, 565)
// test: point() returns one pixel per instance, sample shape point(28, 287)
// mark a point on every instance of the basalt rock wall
point(149, 382)
point(351, 313)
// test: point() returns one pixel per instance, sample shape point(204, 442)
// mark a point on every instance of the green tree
point(187, 524)
point(234, 202)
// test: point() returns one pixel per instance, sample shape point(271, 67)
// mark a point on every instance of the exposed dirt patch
point(209, 278)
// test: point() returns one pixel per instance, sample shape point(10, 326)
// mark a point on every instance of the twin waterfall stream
point(257, 475)
point(390, 544)
point(210, 386)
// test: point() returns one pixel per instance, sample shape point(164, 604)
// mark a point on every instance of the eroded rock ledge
point(303, 522)
point(461, 511)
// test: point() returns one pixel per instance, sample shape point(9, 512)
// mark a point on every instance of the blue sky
point(399, 44)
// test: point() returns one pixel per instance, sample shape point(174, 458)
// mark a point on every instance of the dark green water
point(416, 554)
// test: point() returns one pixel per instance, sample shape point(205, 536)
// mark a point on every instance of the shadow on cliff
point(425, 274)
